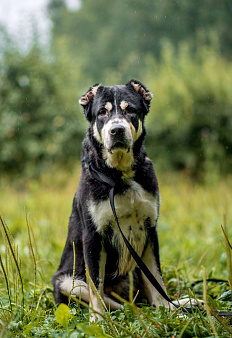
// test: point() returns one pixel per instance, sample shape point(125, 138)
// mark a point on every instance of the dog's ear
point(86, 100)
point(143, 91)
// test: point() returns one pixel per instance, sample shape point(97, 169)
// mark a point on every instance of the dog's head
point(116, 115)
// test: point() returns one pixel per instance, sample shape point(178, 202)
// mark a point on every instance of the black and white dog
point(113, 146)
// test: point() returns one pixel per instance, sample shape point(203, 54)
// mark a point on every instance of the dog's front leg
point(95, 259)
point(95, 302)
point(152, 295)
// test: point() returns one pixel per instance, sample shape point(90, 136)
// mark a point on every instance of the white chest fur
point(132, 208)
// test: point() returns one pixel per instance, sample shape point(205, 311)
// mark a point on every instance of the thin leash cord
point(105, 179)
point(136, 257)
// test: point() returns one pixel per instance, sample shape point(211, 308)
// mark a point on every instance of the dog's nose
point(117, 130)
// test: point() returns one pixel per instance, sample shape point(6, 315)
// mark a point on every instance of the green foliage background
point(182, 52)
point(180, 49)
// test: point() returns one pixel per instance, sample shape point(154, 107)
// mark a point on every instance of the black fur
point(82, 231)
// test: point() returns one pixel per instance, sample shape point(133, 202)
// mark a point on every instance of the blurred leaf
point(91, 330)
point(63, 315)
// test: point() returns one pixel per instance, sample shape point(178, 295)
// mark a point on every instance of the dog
point(113, 146)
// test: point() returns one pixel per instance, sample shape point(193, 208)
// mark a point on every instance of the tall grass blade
point(97, 294)
point(31, 250)
point(207, 307)
point(131, 289)
point(228, 252)
point(14, 258)
point(99, 298)
point(185, 327)
point(7, 282)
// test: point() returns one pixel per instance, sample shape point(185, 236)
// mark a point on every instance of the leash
point(100, 177)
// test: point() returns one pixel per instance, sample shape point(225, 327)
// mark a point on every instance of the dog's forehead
point(116, 94)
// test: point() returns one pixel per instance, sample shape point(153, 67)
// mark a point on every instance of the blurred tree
point(105, 34)
point(189, 126)
point(38, 117)
point(190, 120)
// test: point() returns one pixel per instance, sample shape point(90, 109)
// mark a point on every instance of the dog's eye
point(130, 111)
point(102, 112)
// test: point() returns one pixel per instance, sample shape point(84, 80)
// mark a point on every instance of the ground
point(192, 244)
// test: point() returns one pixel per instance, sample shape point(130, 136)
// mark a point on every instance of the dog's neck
point(122, 160)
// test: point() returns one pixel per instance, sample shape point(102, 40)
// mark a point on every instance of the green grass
point(192, 246)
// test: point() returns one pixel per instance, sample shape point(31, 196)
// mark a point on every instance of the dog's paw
point(189, 302)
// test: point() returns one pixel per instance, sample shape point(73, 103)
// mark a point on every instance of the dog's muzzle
point(117, 134)
point(118, 137)
point(117, 131)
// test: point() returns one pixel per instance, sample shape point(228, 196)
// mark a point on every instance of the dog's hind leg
point(75, 287)
point(68, 263)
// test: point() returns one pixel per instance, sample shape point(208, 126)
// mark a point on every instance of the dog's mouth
point(119, 145)
point(112, 150)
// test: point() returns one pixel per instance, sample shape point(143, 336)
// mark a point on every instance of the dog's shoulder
point(145, 175)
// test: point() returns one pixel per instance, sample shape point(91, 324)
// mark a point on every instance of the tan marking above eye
point(108, 106)
point(124, 105)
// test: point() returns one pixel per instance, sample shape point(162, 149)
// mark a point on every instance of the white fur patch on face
point(136, 134)
point(106, 137)
point(132, 208)
point(124, 105)
point(96, 133)
point(108, 106)
point(139, 131)
point(121, 159)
